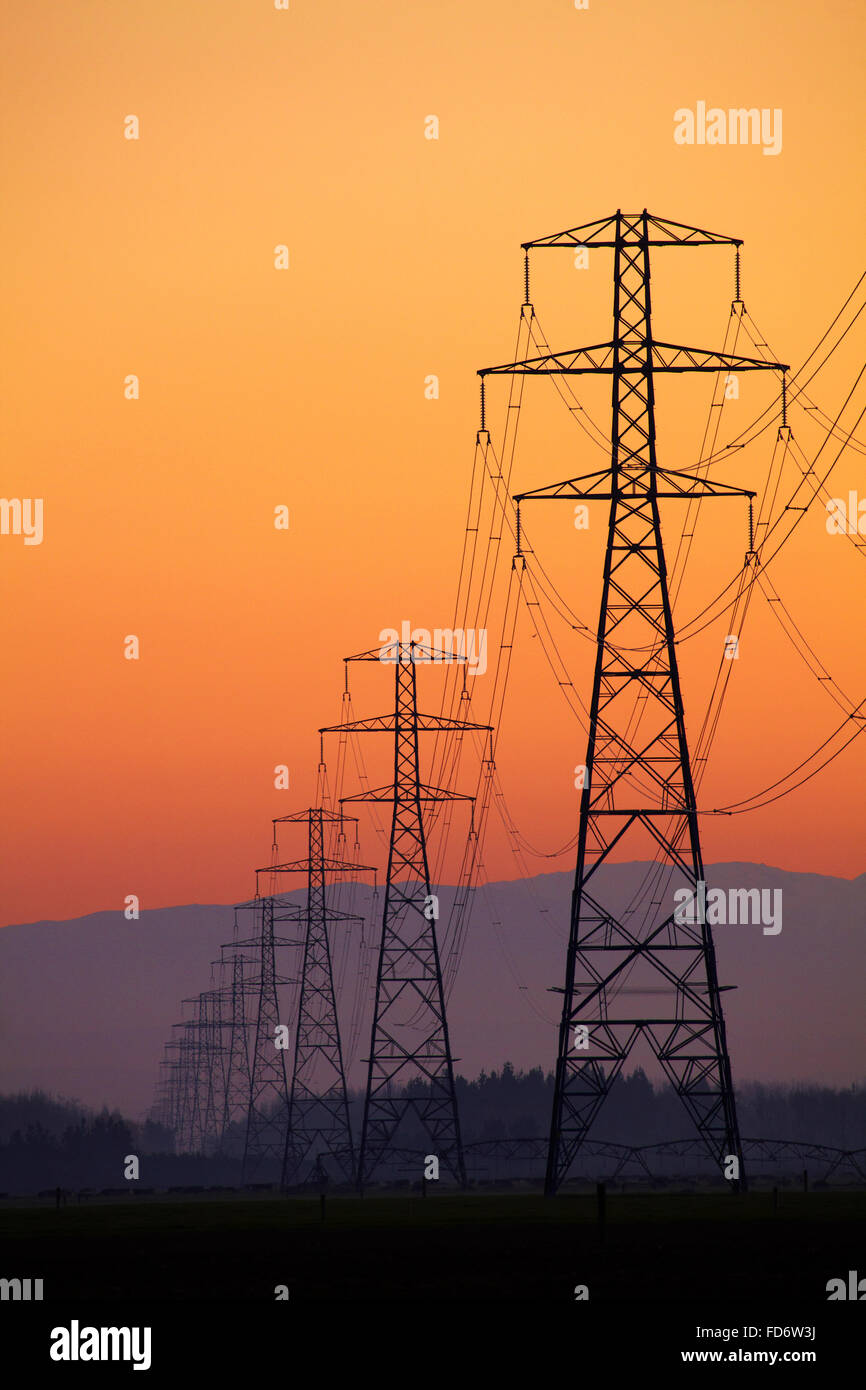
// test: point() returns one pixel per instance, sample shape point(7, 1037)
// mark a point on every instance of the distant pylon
point(166, 1105)
point(318, 1121)
point(409, 1036)
point(186, 1072)
point(267, 1113)
point(238, 1077)
point(637, 772)
point(208, 1083)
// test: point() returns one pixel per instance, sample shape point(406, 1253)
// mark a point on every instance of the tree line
point(48, 1142)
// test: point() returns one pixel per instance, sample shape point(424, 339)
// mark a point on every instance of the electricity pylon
point(238, 1077)
point(209, 1081)
point(187, 1105)
point(168, 1103)
point(267, 1113)
point(638, 774)
point(409, 1037)
point(318, 1119)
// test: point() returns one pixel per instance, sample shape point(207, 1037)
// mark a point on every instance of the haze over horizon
point(795, 1014)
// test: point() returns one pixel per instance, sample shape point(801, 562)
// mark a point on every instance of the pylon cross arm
point(673, 357)
point(424, 723)
point(588, 488)
point(616, 230)
point(328, 866)
point(619, 358)
point(425, 793)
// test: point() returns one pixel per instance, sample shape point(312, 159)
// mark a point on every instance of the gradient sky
point(306, 388)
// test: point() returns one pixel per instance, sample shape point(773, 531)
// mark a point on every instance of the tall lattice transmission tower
point(238, 1078)
point(409, 1037)
point(319, 1130)
point(267, 1113)
point(638, 777)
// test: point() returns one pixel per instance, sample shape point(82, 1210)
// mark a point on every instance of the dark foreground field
point(659, 1248)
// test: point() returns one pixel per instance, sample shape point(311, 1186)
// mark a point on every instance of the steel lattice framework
point(184, 1073)
point(409, 1038)
point(638, 775)
point(318, 1120)
point(238, 1077)
point(208, 1079)
point(267, 1114)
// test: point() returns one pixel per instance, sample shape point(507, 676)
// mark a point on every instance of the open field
point(655, 1248)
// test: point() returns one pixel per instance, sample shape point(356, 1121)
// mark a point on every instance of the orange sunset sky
point(305, 387)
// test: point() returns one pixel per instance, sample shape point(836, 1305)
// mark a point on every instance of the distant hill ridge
point(87, 1004)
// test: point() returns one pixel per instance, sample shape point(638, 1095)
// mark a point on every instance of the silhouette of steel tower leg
point(637, 770)
point(182, 1078)
point(211, 1077)
point(266, 1120)
point(318, 1118)
point(238, 1076)
point(167, 1109)
point(409, 1036)
point(190, 1111)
